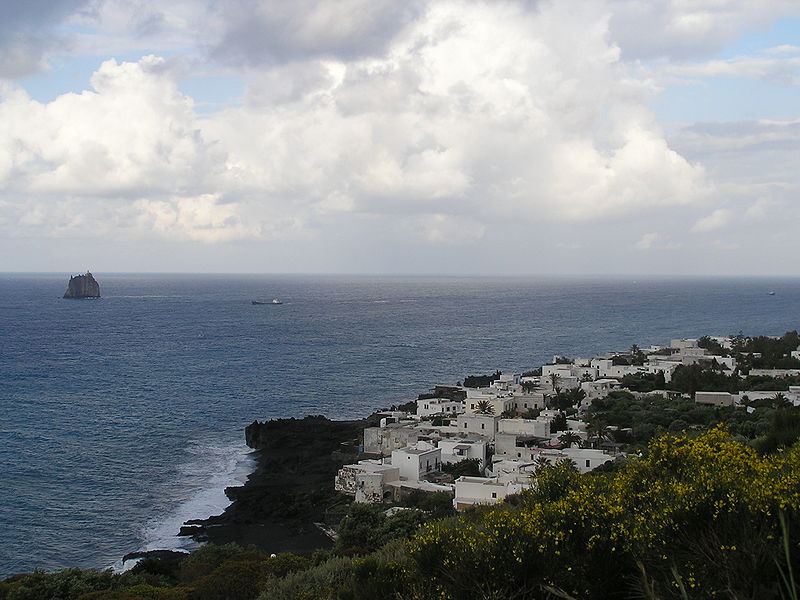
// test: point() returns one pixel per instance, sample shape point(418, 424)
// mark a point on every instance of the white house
point(456, 450)
point(485, 425)
point(532, 427)
point(714, 398)
point(439, 406)
point(514, 445)
point(600, 388)
point(383, 440)
point(585, 459)
point(775, 372)
point(417, 461)
point(479, 490)
point(366, 481)
point(606, 368)
point(526, 401)
point(498, 401)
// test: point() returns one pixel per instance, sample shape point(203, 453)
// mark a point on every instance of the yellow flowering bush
point(694, 517)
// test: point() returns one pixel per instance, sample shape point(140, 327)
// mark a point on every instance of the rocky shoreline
point(291, 487)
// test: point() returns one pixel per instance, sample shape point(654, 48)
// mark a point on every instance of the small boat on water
point(770, 293)
point(274, 301)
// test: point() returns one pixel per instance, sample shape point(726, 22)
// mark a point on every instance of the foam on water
point(210, 468)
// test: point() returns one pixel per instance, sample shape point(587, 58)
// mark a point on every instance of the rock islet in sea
point(82, 286)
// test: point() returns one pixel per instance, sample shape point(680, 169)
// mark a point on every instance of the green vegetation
point(470, 467)
point(644, 382)
point(484, 407)
point(476, 381)
point(695, 517)
point(636, 420)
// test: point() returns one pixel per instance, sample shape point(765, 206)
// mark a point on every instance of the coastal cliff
point(82, 286)
point(290, 489)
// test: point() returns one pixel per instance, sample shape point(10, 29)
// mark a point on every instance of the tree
point(554, 378)
point(559, 423)
point(637, 356)
point(568, 438)
point(780, 400)
point(484, 407)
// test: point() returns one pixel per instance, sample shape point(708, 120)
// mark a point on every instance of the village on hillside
point(485, 439)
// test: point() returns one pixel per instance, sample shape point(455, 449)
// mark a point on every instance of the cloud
point(783, 49)
point(784, 71)
point(27, 33)
point(675, 29)
point(132, 133)
point(648, 240)
point(256, 33)
point(474, 113)
point(716, 220)
point(447, 229)
point(201, 218)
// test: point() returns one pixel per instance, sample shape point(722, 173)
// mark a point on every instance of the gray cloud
point(648, 29)
point(26, 34)
point(265, 33)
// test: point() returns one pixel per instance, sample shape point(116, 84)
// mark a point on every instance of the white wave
point(210, 468)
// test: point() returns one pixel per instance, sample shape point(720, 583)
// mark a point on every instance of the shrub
point(701, 512)
point(67, 584)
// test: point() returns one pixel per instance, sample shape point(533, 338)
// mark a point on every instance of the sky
point(463, 137)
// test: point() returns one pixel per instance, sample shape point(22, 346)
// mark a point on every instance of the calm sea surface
point(122, 417)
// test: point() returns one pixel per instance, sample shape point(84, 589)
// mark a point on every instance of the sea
point(122, 417)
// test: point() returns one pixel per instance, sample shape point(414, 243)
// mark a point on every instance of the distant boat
point(770, 293)
point(274, 301)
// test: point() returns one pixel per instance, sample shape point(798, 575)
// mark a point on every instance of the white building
point(485, 425)
point(526, 401)
point(456, 450)
point(606, 368)
point(600, 388)
point(714, 398)
point(439, 406)
point(482, 490)
point(383, 440)
point(417, 461)
point(775, 372)
point(585, 459)
point(366, 481)
point(532, 427)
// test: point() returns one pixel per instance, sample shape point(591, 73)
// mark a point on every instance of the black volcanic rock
point(82, 286)
point(291, 487)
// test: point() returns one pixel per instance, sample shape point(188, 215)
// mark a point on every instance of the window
point(588, 463)
point(483, 425)
point(494, 494)
point(519, 454)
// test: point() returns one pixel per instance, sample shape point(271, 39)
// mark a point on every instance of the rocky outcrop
point(82, 286)
point(290, 489)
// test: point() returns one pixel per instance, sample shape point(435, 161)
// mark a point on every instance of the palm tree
point(554, 379)
point(541, 463)
point(484, 407)
point(568, 438)
point(780, 400)
point(596, 432)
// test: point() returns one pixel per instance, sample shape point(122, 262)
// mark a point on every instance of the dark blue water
point(121, 417)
